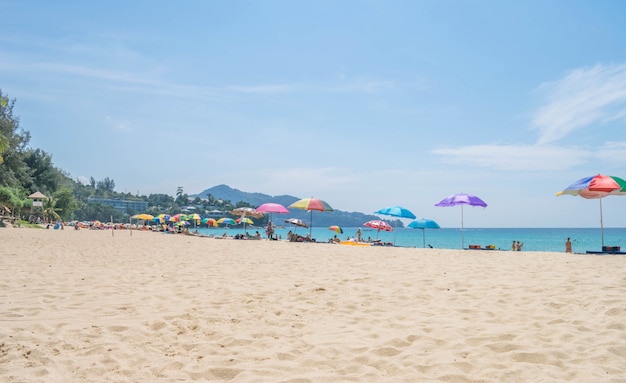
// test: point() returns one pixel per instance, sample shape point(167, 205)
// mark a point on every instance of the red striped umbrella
point(378, 225)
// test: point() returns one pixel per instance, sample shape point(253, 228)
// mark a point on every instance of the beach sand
point(89, 306)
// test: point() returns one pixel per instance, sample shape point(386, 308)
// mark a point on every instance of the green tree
point(44, 177)
point(102, 213)
point(4, 142)
point(106, 187)
point(50, 209)
point(11, 200)
point(14, 171)
point(65, 202)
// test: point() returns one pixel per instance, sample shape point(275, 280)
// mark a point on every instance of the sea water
point(533, 239)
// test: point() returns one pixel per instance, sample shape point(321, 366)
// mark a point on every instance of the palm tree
point(50, 209)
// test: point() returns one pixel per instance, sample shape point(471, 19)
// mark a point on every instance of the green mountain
point(336, 217)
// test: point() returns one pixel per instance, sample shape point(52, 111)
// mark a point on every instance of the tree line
point(25, 170)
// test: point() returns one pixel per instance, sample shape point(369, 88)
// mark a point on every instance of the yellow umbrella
point(146, 217)
point(194, 217)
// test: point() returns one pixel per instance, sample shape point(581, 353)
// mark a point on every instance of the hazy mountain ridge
point(337, 217)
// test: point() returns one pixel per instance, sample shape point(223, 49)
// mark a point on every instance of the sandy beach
point(89, 306)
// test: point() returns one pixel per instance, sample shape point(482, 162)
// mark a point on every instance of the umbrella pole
point(311, 227)
point(601, 223)
point(462, 231)
point(394, 233)
point(423, 238)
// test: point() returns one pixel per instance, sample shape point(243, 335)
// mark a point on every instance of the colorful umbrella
point(163, 217)
point(245, 221)
point(598, 186)
point(311, 204)
point(193, 217)
point(336, 229)
point(227, 221)
point(209, 221)
point(378, 225)
point(423, 224)
point(396, 211)
point(178, 217)
point(461, 199)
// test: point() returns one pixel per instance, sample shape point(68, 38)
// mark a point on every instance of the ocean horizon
point(533, 239)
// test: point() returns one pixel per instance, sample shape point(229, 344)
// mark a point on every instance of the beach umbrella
point(311, 204)
point(336, 229)
point(270, 208)
point(193, 217)
point(297, 222)
point(461, 199)
point(596, 187)
point(245, 221)
point(163, 217)
point(209, 221)
point(178, 217)
point(378, 225)
point(247, 211)
point(227, 221)
point(396, 211)
point(423, 224)
point(143, 216)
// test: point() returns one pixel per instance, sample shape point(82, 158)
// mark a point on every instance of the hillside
point(337, 217)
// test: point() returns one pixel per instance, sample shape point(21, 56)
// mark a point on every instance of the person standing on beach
point(358, 234)
point(513, 247)
point(519, 245)
point(568, 246)
point(270, 230)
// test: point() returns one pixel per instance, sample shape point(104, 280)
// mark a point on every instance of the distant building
point(120, 204)
point(214, 214)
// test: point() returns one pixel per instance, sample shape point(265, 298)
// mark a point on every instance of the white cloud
point(585, 97)
point(516, 157)
point(614, 152)
point(83, 180)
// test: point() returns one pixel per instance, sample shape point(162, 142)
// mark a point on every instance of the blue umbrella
point(424, 224)
point(396, 211)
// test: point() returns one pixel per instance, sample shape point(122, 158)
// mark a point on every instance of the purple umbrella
point(461, 199)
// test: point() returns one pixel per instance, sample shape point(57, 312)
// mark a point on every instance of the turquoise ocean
point(534, 239)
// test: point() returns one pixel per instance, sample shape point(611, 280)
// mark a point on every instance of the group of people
point(247, 235)
point(517, 246)
point(293, 237)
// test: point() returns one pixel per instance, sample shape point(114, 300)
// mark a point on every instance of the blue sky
point(364, 104)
